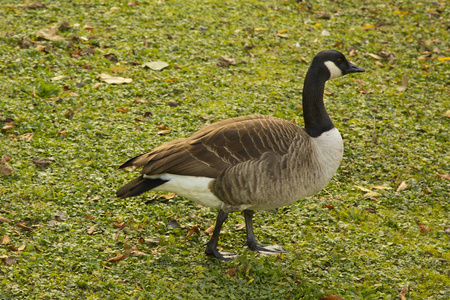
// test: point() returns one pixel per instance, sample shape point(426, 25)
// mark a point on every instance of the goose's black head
point(334, 64)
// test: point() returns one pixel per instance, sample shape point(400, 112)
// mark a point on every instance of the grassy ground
point(356, 239)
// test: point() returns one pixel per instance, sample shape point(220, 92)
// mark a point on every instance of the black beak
point(354, 69)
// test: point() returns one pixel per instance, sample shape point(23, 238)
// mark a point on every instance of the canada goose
point(251, 162)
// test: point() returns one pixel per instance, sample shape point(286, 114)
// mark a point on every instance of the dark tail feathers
point(138, 186)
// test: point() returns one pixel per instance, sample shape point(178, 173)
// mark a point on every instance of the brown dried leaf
point(210, 230)
point(4, 220)
point(49, 34)
point(445, 176)
point(33, 5)
point(331, 297)
point(233, 271)
point(194, 229)
point(10, 261)
point(5, 168)
point(23, 226)
point(424, 228)
point(5, 240)
point(122, 110)
point(139, 100)
point(162, 127)
point(447, 113)
point(402, 186)
point(118, 223)
point(27, 136)
point(226, 62)
point(13, 248)
point(42, 163)
point(91, 229)
point(402, 294)
point(163, 132)
point(117, 258)
point(94, 199)
point(9, 125)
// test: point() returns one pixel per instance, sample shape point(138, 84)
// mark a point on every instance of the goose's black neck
point(317, 120)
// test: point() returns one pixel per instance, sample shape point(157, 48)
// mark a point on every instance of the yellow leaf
point(444, 58)
point(402, 186)
point(363, 188)
point(381, 187)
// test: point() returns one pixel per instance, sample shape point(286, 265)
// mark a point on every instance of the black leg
point(251, 240)
point(211, 246)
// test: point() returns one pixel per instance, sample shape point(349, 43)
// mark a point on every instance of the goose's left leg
point(251, 240)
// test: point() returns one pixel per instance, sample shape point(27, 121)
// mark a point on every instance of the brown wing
point(218, 146)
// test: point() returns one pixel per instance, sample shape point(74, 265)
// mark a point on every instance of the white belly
point(191, 187)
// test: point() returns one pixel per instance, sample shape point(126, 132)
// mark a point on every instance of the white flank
point(191, 187)
point(335, 72)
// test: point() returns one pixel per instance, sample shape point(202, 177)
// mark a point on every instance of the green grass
point(339, 241)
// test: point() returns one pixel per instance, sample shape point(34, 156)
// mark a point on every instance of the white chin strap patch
point(334, 70)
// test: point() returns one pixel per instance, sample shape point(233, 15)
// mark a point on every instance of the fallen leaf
point(168, 196)
point(444, 58)
point(23, 226)
point(56, 78)
point(42, 163)
point(447, 230)
point(192, 230)
point(91, 229)
point(139, 100)
point(5, 168)
point(122, 110)
point(226, 62)
point(371, 194)
point(283, 36)
point(113, 80)
point(445, 176)
point(94, 199)
point(331, 297)
point(4, 220)
point(404, 85)
point(119, 224)
point(88, 28)
point(162, 127)
point(322, 15)
point(402, 294)
point(424, 228)
point(380, 187)
point(26, 136)
point(233, 271)
point(5, 240)
point(10, 261)
point(133, 4)
point(371, 210)
point(363, 188)
point(447, 113)
point(63, 133)
point(329, 206)
point(13, 248)
point(49, 34)
point(117, 258)
point(374, 56)
point(162, 132)
point(402, 186)
point(155, 65)
point(33, 5)
point(21, 248)
point(209, 230)
point(8, 125)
